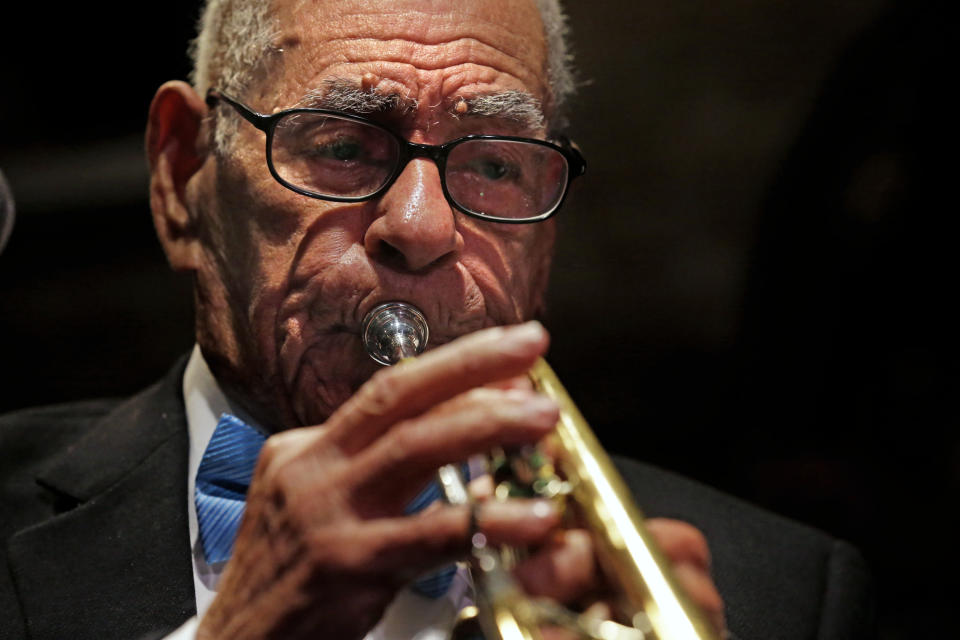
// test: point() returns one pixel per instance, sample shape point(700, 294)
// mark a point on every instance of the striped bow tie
point(222, 479)
point(221, 491)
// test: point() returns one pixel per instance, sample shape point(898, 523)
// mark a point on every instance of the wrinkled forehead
point(429, 51)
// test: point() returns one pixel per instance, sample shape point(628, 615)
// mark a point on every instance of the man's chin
point(328, 375)
point(335, 365)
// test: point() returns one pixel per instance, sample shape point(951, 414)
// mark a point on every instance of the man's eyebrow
point(343, 95)
point(518, 107)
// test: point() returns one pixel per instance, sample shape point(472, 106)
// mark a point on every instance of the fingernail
point(543, 509)
point(542, 407)
point(539, 509)
point(526, 333)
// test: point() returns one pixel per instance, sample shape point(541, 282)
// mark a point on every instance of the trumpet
point(650, 602)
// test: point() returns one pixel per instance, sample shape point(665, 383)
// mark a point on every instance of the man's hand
point(324, 544)
point(566, 570)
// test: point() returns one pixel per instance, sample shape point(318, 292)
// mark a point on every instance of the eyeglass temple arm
point(258, 120)
point(578, 163)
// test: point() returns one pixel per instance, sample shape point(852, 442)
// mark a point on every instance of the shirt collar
point(204, 401)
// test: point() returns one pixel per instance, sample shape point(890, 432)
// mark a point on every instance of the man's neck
point(244, 402)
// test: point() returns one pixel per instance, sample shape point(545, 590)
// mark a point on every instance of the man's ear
point(175, 152)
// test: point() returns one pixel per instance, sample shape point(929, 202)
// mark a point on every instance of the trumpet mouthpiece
point(393, 331)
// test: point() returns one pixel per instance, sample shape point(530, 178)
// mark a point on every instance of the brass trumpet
point(649, 597)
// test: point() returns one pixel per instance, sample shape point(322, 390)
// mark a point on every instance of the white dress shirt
point(409, 616)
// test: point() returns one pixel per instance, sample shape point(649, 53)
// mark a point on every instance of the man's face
point(286, 280)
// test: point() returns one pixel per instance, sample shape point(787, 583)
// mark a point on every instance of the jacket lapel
point(117, 565)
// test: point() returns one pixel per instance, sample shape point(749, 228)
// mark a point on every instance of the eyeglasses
point(341, 157)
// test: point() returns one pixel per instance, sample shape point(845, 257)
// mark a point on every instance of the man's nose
point(414, 226)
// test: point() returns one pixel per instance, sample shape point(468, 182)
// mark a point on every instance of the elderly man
point(326, 160)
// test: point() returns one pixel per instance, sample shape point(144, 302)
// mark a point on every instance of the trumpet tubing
point(624, 545)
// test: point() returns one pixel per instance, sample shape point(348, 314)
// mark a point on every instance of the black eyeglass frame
point(408, 151)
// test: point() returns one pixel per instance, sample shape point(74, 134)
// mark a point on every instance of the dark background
point(754, 284)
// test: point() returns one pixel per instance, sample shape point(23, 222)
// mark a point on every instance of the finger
point(398, 393)
point(680, 541)
point(599, 610)
point(472, 423)
point(686, 547)
point(517, 382)
point(402, 548)
point(699, 587)
point(517, 522)
point(481, 487)
point(564, 569)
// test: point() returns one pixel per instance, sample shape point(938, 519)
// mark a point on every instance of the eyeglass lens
point(332, 156)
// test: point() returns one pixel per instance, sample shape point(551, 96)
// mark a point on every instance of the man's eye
point(341, 150)
point(493, 170)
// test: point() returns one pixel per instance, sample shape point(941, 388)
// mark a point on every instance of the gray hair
point(559, 58)
point(236, 40)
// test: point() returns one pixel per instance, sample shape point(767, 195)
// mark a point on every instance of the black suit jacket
point(94, 527)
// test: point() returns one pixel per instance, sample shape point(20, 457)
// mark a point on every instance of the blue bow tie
point(221, 491)
point(222, 479)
